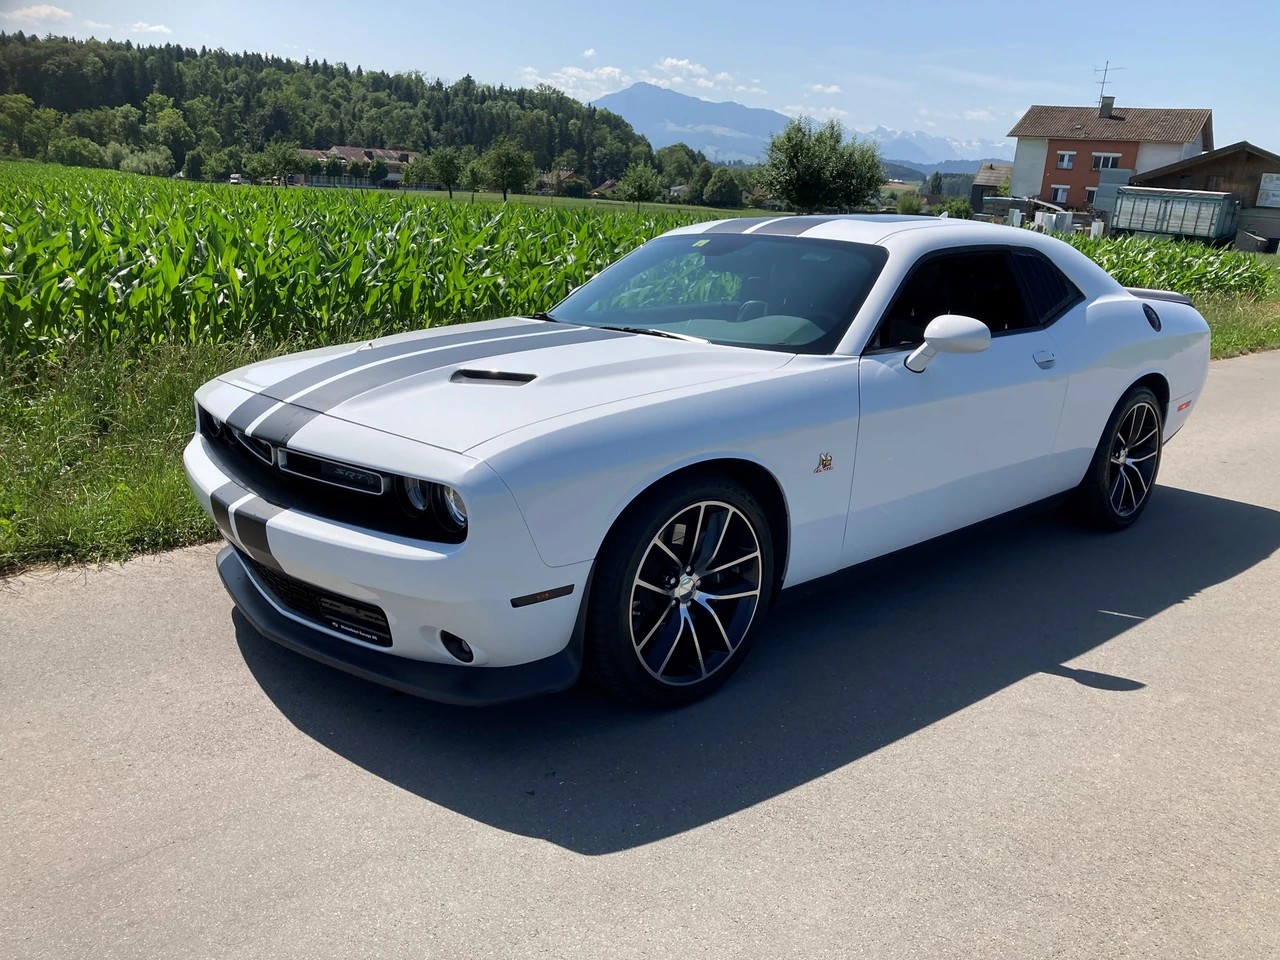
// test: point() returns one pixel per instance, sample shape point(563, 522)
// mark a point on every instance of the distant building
point(987, 182)
point(1062, 151)
point(396, 160)
point(1249, 172)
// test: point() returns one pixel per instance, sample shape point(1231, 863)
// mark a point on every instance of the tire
point(671, 614)
point(1118, 486)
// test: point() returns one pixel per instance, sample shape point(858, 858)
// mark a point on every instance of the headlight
point(455, 511)
point(442, 502)
point(418, 493)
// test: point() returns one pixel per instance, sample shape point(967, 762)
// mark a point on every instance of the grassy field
point(120, 294)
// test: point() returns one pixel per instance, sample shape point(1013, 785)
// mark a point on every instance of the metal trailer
point(1203, 214)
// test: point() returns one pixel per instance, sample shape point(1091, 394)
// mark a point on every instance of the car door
point(970, 436)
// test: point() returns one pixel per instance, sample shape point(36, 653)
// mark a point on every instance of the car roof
point(852, 227)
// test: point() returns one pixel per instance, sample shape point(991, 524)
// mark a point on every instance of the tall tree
point(446, 165)
point(640, 184)
point(813, 168)
point(934, 183)
point(509, 167)
point(723, 190)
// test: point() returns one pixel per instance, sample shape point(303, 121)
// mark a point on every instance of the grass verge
point(91, 443)
point(91, 453)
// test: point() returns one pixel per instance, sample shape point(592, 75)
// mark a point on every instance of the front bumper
point(444, 682)
point(479, 591)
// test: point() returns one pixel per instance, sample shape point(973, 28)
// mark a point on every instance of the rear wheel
point(1117, 488)
point(679, 587)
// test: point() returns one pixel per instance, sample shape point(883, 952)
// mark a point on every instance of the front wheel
point(680, 584)
point(1118, 485)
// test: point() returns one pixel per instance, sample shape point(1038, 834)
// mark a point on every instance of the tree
point(698, 183)
point(723, 190)
point(958, 208)
point(75, 152)
point(378, 171)
point(334, 167)
point(813, 168)
point(676, 163)
point(934, 184)
point(193, 165)
point(156, 162)
point(280, 159)
point(356, 170)
point(509, 167)
point(445, 163)
point(418, 171)
point(639, 183)
point(909, 202)
point(473, 177)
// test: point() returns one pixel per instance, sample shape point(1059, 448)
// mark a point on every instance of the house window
point(1090, 193)
point(1066, 159)
point(1106, 161)
point(1058, 193)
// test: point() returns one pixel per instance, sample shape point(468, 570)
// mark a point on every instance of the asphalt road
point(1024, 741)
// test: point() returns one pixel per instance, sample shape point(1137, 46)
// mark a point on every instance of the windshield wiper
point(542, 315)
point(651, 331)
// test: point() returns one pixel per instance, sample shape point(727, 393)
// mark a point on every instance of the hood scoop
point(502, 377)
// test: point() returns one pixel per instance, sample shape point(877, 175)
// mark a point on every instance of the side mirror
point(949, 333)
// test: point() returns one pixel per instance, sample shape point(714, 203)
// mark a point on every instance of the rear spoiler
point(1167, 295)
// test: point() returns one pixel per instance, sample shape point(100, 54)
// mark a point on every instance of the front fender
point(573, 479)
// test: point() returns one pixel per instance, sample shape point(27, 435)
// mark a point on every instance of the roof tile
point(1140, 124)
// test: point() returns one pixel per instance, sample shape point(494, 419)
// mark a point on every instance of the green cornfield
point(99, 258)
point(1189, 268)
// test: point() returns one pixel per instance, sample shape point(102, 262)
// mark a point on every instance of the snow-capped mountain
point(916, 147)
point(730, 131)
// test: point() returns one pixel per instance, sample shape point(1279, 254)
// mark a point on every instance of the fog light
point(460, 649)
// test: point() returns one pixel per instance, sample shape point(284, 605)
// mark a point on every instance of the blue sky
point(961, 70)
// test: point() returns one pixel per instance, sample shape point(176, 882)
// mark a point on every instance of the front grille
point(323, 488)
point(353, 618)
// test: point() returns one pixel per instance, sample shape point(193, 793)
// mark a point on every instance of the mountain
point(915, 147)
point(947, 166)
point(723, 131)
point(729, 131)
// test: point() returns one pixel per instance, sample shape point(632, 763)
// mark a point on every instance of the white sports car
point(620, 486)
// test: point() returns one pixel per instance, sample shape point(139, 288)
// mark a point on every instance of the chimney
point(1104, 107)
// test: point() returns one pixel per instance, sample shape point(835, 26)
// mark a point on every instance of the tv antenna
point(1106, 70)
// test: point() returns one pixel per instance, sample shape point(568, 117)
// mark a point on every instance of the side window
point(1049, 292)
point(978, 284)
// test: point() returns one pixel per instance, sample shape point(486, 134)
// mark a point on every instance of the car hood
point(461, 386)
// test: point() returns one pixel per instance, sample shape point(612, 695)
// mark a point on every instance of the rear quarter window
point(1049, 293)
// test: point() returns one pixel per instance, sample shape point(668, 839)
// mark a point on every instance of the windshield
point(773, 293)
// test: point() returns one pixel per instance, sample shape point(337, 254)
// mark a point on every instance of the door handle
point(1044, 358)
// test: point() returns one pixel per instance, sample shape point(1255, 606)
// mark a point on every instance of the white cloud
point(588, 53)
point(982, 116)
point(95, 25)
point(815, 113)
point(740, 88)
point(671, 65)
point(725, 77)
point(580, 82)
point(829, 88)
point(42, 13)
point(142, 26)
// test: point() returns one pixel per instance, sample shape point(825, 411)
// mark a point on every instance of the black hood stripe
point(287, 419)
point(431, 338)
point(793, 226)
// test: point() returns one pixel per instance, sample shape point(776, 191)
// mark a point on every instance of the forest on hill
point(107, 103)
